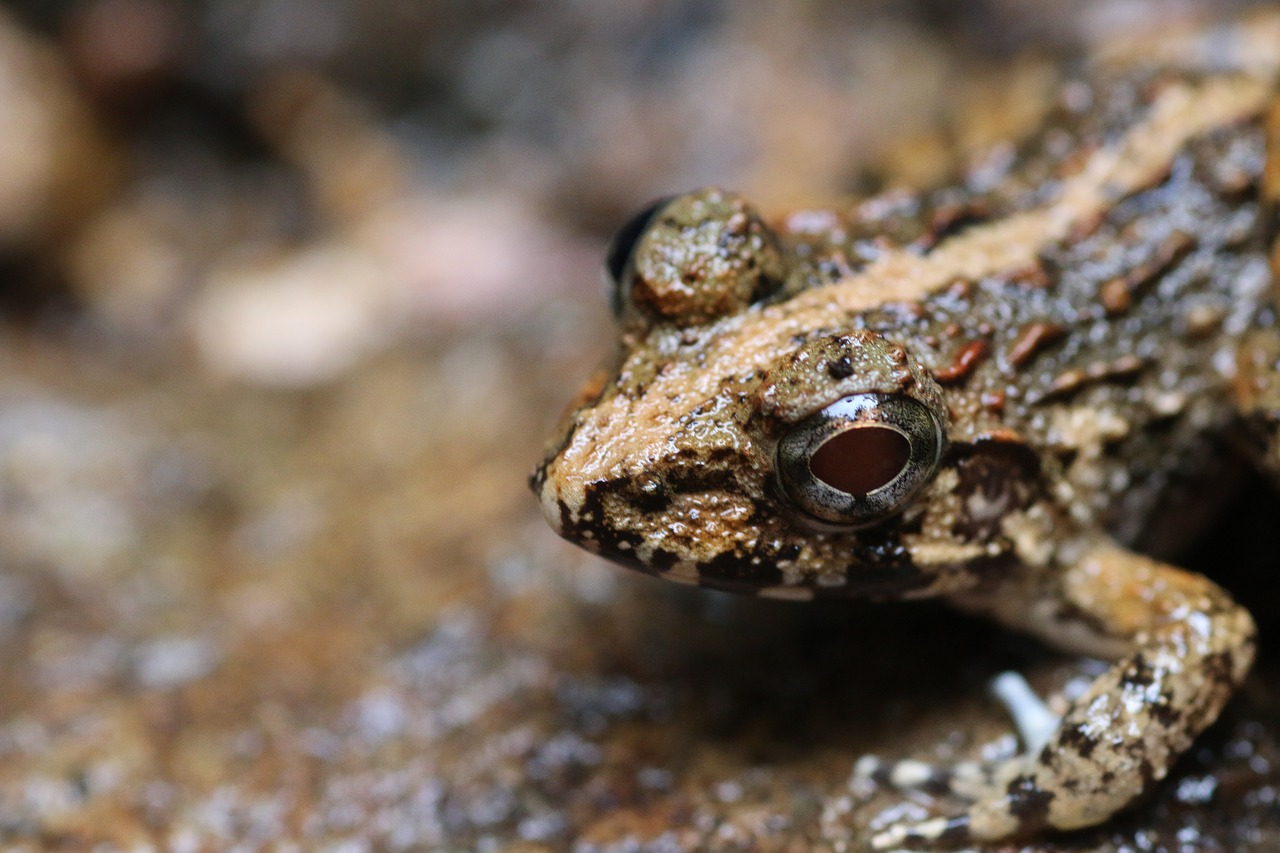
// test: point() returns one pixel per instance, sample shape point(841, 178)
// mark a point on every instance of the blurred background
point(291, 293)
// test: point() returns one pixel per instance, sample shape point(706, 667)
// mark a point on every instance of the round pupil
point(860, 460)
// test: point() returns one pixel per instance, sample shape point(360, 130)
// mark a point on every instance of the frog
point(987, 393)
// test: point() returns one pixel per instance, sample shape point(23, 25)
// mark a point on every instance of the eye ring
point(621, 252)
point(860, 459)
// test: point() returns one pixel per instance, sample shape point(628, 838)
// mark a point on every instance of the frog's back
point(1112, 351)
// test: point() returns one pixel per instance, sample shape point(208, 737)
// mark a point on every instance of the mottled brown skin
point(1091, 320)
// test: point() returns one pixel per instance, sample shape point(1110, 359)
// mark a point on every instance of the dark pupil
point(860, 460)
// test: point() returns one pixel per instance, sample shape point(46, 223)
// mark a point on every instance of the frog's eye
point(622, 248)
point(860, 459)
point(690, 260)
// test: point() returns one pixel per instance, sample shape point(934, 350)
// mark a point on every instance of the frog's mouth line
point(768, 571)
point(767, 581)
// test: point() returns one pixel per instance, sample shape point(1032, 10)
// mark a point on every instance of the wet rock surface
point(281, 586)
point(233, 620)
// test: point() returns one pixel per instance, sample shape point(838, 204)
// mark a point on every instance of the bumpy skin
point(1090, 313)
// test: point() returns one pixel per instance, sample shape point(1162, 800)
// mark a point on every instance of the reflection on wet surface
point(272, 374)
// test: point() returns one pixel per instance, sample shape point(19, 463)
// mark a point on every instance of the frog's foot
point(978, 782)
point(1006, 801)
point(965, 779)
point(972, 780)
point(1181, 648)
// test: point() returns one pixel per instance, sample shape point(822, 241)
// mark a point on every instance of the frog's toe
point(905, 774)
point(1016, 809)
point(938, 830)
point(969, 780)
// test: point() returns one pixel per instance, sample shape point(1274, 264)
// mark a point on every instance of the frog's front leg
point(1181, 647)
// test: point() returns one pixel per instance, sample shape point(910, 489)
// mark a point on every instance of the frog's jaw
point(708, 527)
point(724, 541)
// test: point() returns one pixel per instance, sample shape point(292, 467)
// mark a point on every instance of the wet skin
point(984, 392)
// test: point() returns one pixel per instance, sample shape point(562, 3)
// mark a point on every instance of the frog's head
point(754, 435)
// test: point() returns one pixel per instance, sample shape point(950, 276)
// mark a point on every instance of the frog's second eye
point(622, 247)
point(861, 459)
point(691, 260)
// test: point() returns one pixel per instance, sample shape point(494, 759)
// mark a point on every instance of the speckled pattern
point(285, 650)
point(269, 648)
point(252, 601)
point(1110, 296)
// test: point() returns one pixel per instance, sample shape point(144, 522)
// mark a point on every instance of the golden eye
point(861, 459)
